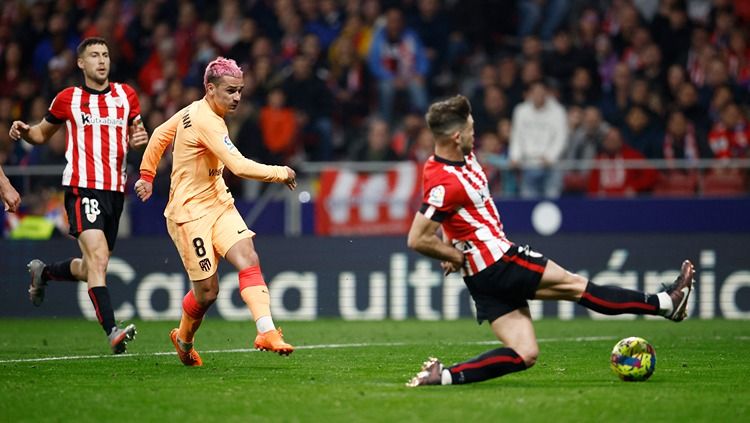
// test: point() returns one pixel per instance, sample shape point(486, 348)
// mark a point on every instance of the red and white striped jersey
point(456, 195)
point(97, 134)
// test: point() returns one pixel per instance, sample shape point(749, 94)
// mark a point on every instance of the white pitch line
point(303, 347)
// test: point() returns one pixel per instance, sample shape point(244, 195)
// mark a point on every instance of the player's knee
point(206, 297)
point(253, 258)
point(529, 355)
point(577, 285)
point(209, 297)
point(96, 262)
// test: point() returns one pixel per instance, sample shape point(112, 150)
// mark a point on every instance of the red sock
point(192, 316)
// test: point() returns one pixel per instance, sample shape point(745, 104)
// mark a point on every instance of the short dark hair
point(446, 116)
point(91, 41)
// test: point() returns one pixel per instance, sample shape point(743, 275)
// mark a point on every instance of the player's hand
point(18, 130)
point(291, 180)
point(138, 137)
point(10, 197)
point(449, 267)
point(143, 189)
point(453, 265)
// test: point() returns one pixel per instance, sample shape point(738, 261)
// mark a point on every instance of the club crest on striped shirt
point(437, 196)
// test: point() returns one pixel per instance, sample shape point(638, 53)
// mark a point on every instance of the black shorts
point(94, 209)
point(507, 284)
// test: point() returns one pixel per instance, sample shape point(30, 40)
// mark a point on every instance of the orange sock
point(192, 316)
point(254, 292)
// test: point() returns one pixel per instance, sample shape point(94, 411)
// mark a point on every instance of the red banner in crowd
point(368, 203)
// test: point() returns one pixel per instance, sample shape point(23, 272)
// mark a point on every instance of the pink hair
point(221, 67)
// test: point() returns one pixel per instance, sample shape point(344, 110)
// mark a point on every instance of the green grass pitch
point(355, 371)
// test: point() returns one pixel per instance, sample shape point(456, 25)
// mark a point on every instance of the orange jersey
point(201, 150)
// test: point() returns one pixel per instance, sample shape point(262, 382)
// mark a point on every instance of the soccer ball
point(633, 359)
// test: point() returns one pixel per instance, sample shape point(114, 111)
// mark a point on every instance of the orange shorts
point(202, 241)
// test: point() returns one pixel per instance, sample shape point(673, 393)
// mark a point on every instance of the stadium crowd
point(606, 81)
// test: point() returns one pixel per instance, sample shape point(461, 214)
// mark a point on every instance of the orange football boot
point(273, 340)
point(189, 357)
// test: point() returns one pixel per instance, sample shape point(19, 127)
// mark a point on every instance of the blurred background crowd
point(552, 82)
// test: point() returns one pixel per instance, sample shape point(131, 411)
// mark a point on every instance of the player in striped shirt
point(102, 119)
point(201, 217)
point(500, 275)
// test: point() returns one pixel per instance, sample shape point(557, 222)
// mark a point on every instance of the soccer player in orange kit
point(201, 217)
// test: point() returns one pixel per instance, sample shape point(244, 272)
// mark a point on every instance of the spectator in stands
point(588, 25)
point(676, 76)
point(738, 58)
point(582, 91)
point(185, 33)
point(492, 156)
point(509, 81)
point(730, 136)
point(141, 28)
point(560, 63)
point(700, 53)
point(240, 50)
point(547, 16)
point(423, 147)
point(723, 23)
point(584, 144)
point(538, 137)
point(615, 98)
point(398, 62)
point(293, 29)
point(531, 49)
point(443, 44)
point(265, 78)
point(313, 101)
point(349, 82)
point(642, 132)
point(12, 68)
point(278, 124)
point(621, 24)
point(651, 69)
point(671, 30)
point(492, 108)
point(59, 39)
point(227, 29)
point(683, 142)
point(531, 71)
point(687, 102)
point(610, 176)
point(108, 24)
point(377, 145)
point(205, 50)
point(372, 22)
point(161, 64)
point(717, 75)
point(606, 61)
point(722, 96)
point(312, 49)
point(327, 24)
point(406, 133)
point(488, 76)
